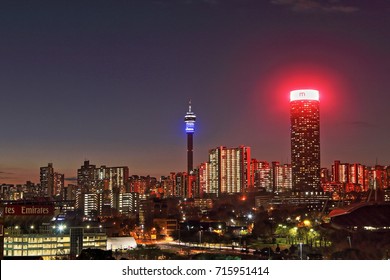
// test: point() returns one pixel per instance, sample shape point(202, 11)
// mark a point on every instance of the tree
point(262, 226)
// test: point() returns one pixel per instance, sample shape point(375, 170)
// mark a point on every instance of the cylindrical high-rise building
point(305, 140)
point(189, 119)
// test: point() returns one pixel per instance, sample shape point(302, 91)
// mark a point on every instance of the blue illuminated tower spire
point(189, 119)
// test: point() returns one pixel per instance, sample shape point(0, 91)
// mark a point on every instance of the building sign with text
point(304, 94)
point(28, 210)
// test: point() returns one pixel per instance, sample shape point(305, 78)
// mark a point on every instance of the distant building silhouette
point(47, 179)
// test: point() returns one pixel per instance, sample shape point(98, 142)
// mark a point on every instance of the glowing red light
point(304, 94)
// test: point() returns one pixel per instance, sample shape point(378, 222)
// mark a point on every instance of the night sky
point(109, 81)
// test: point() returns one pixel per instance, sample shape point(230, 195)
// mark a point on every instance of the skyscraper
point(107, 182)
point(189, 119)
point(228, 170)
point(47, 179)
point(305, 140)
point(281, 177)
point(86, 177)
point(261, 173)
point(58, 184)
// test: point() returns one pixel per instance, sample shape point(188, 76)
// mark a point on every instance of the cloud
point(72, 179)
point(211, 2)
point(324, 6)
point(360, 124)
point(4, 175)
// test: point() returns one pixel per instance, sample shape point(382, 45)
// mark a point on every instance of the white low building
point(121, 243)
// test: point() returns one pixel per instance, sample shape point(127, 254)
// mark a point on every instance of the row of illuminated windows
point(34, 246)
point(94, 244)
point(16, 253)
point(45, 240)
point(51, 247)
point(97, 237)
point(37, 239)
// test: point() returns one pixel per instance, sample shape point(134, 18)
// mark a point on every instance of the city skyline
point(110, 83)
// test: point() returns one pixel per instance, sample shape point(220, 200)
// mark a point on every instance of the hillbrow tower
point(189, 119)
point(305, 140)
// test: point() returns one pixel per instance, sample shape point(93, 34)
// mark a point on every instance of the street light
point(61, 228)
point(307, 223)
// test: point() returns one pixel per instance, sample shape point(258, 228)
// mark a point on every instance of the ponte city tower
point(305, 140)
point(189, 119)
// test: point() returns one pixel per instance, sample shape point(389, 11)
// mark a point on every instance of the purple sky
point(109, 81)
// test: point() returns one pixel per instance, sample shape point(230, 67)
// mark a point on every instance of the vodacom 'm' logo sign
point(304, 94)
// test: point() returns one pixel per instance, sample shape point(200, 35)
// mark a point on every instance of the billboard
point(28, 210)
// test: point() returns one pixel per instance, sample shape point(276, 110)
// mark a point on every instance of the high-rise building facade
point(353, 174)
point(262, 174)
point(47, 179)
point(341, 172)
point(357, 174)
point(281, 177)
point(91, 205)
point(128, 203)
point(168, 185)
point(305, 140)
point(181, 183)
point(86, 178)
point(228, 170)
point(203, 178)
point(110, 182)
point(58, 184)
point(107, 182)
